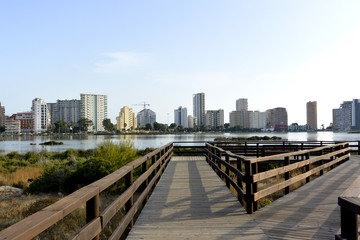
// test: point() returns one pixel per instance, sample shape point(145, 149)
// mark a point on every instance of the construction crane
point(142, 104)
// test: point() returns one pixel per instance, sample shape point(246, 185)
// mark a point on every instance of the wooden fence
point(151, 165)
point(349, 203)
point(246, 172)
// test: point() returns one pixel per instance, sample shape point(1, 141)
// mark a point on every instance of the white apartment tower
point(94, 108)
point(199, 108)
point(126, 119)
point(41, 115)
point(242, 104)
point(180, 117)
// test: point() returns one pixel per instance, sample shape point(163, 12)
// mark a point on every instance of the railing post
point(332, 158)
point(93, 210)
point(245, 151)
point(358, 147)
point(129, 178)
point(227, 159)
point(307, 167)
point(322, 162)
point(239, 180)
point(255, 185)
point(249, 188)
point(287, 174)
point(349, 224)
point(283, 146)
point(257, 150)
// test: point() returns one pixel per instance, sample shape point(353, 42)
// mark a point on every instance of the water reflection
point(24, 144)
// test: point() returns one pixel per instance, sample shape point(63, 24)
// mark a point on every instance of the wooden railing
point(268, 148)
point(151, 165)
point(246, 170)
point(349, 203)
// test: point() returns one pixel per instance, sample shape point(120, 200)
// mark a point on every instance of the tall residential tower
point(311, 115)
point(94, 108)
point(199, 108)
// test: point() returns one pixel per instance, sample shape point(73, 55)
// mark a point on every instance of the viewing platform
point(212, 190)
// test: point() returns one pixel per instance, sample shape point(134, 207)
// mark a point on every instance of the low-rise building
point(12, 126)
point(214, 118)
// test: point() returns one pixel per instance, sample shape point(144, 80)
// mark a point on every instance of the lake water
point(22, 144)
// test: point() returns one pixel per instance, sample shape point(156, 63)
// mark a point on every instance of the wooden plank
point(191, 202)
point(89, 231)
point(274, 172)
point(265, 192)
point(310, 212)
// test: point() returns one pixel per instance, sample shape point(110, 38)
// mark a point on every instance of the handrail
point(96, 221)
point(349, 203)
point(246, 169)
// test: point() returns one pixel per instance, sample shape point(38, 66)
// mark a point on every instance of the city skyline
point(276, 54)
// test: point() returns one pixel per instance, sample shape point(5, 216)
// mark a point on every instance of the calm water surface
point(22, 143)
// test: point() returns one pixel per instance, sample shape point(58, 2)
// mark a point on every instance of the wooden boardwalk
point(310, 212)
point(191, 202)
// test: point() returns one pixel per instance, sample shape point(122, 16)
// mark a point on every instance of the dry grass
point(21, 175)
point(14, 209)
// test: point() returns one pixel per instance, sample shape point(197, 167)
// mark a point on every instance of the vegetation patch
point(253, 138)
point(52, 143)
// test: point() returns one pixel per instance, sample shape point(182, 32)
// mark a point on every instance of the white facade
point(94, 108)
point(199, 108)
point(192, 121)
point(180, 117)
point(257, 119)
point(242, 104)
point(41, 115)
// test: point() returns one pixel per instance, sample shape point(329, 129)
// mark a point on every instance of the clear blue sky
point(275, 53)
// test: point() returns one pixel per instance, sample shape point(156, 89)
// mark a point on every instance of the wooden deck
point(191, 202)
point(312, 211)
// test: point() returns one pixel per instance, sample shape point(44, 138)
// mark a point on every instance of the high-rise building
point(199, 108)
point(311, 115)
point(180, 117)
point(146, 116)
point(342, 117)
point(239, 118)
point(214, 118)
point(126, 119)
point(2, 115)
point(192, 121)
point(242, 104)
point(41, 115)
point(277, 119)
point(355, 123)
point(94, 108)
point(65, 110)
point(257, 119)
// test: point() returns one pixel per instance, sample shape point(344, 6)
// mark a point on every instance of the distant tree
point(108, 125)
point(226, 125)
point(148, 126)
point(2, 129)
point(84, 124)
point(172, 126)
point(60, 127)
point(160, 127)
point(180, 128)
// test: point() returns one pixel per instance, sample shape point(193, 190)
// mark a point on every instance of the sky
point(276, 53)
